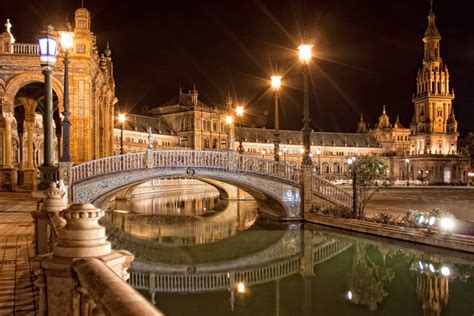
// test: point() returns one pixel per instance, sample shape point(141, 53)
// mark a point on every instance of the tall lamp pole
point(230, 121)
point(48, 47)
point(66, 45)
point(240, 113)
point(351, 162)
point(318, 152)
point(407, 162)
point(305, 55)
point(121, 118)
point(276, 84)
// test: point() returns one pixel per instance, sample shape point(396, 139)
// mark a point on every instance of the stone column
point(29, 172)
point(82, 237)
point(8, 181)
point(307, 181)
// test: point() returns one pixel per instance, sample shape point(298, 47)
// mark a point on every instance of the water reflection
point(182, 219)
point(270, 268)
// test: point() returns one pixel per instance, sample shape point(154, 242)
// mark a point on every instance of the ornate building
point(92, 99)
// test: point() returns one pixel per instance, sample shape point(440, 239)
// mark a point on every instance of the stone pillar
point(29, 172)
point(53, 203)
point(8, 181)
point(307, 181)
point(82, 237)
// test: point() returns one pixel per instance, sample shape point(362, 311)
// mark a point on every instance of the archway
point(28, 112)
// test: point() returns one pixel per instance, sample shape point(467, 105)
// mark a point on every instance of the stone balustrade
point(25, 49)
point(83, 275)
point(102, 288)
point(331, 192)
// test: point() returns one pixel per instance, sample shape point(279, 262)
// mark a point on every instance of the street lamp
point(239, 111)
point(121, 118)
point(351, 162)
point(66, 45)
point(48, 49)
point(276, 84)
point(318, 152)
point(229, 119)
point(407, 162)
point(305, 55)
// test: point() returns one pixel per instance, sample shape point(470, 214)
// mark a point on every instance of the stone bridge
point(276, 183)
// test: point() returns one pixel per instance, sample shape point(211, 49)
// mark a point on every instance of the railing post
point(307, 182)
point(53, 202)
point(81, 237)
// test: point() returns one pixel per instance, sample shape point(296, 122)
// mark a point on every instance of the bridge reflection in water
point(268, 268)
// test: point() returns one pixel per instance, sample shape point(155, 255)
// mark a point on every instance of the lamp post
point(66, 45)
point(276, 84)
point(351, 162)
point(318, 152)
point(121, 118)
point(239, 111)
point(305, 55)
point(48, 47)
point(230, 121)
point(407, 162)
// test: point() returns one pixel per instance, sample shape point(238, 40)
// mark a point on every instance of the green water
point(224, 259)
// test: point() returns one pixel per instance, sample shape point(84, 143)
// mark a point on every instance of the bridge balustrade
point(108, 165)
point(331, 192)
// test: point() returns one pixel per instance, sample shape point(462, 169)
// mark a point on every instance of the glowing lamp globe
point(48, 47)
point(305, 52)
point(67, 40)
point(229, 119)
point(276, 82)
point(121, 118)
point(239, 110)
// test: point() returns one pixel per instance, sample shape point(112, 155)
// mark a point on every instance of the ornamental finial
point(8, 27)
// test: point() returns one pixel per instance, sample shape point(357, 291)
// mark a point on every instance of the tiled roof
point(141, 123)
point(317, 138)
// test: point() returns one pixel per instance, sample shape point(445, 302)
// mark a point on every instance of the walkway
point(17, 293)
point(398, 201)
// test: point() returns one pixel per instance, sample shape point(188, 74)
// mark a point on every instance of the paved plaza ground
point(17, 293)
point(399, 200)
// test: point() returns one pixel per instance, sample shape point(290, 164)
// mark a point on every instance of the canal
point(198, 253)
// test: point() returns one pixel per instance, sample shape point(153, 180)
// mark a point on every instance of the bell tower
point(431, 130)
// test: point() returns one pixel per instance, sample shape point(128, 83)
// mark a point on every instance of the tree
point(368, 176)
point(466, 144)
point(367, 278)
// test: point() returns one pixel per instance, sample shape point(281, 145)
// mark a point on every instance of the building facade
point(91, 98)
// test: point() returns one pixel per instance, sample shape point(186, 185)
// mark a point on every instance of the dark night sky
point(367, 52)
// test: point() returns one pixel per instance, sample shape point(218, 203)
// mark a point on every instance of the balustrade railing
point(25, 49)
point(331, 192)
point(99, 288)
point(187, 159)
point(108, 165)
